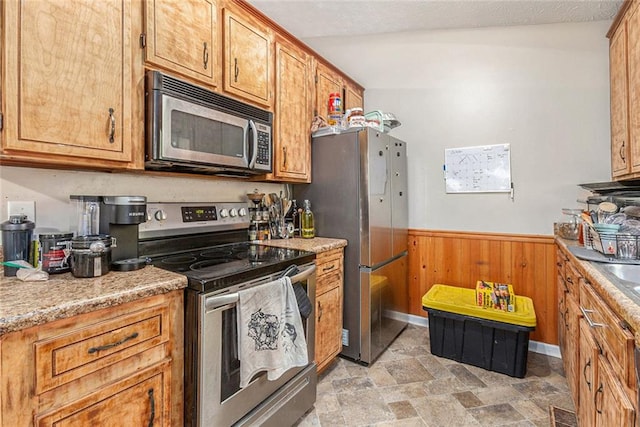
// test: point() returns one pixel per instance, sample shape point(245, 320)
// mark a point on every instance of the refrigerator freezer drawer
point(384, 305)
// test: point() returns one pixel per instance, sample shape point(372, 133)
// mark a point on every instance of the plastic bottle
point(307, 223)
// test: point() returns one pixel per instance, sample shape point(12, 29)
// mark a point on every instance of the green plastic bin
point(488, 338)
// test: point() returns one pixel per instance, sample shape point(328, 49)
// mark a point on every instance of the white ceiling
point(320, 18)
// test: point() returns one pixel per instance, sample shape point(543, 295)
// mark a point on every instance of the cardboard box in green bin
point(463, 301)
point(495, 295)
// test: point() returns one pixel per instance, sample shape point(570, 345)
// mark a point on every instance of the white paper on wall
point(481, 169)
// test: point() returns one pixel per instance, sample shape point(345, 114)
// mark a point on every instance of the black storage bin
point(496, 346)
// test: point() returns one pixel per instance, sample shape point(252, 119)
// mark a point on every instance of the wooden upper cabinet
point(71, 83)
point(182, 36)
point(633, 64)
point(327, 81)
point(247, 57)
point(624, 68)
point(618, 76)
point(293, 113)
point(353, 97)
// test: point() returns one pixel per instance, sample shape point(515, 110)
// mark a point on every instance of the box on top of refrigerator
point(495, 295)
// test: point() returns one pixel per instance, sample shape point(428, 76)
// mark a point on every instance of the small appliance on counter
point(113, 218)
point(16, 241)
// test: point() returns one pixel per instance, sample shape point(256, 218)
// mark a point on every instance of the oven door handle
point(218, 301)
point(304, 274)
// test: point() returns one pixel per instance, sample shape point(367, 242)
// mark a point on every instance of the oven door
point(221, 401)
point(196, 135)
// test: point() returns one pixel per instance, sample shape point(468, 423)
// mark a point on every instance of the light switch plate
point(27, 208)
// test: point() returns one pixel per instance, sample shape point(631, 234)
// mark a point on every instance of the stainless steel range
point(207, 242)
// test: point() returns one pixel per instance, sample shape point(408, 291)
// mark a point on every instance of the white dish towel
point(270, 333)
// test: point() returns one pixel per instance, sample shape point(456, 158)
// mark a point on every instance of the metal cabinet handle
point(236, 70)
point(152, 403)
point(115, 344)
point(205, 55)
point(284, 157)
point(622, 152)
point(591, 323)
point(595, 399)
point(566, 322)
point(319, 311)
point(112, 130)
point(584, 373)
point(331, 267)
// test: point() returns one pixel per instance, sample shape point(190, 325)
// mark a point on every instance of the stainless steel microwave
point(191, 129)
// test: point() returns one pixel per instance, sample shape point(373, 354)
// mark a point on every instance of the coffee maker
point(120, 217)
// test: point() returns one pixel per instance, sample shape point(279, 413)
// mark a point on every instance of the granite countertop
point(317, 244)
point(26, 304)
point(612, 291)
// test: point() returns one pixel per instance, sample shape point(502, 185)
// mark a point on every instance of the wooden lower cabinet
point(611, 404)
point(329, 294)
point(117, 366)
point(597, 349)
point(588, 374)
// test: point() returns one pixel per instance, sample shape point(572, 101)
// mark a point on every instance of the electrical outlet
point(27, 208)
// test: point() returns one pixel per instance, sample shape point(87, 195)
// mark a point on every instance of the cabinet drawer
point(328, 281)
point(561, 260)
point(63, 358)
point(572, 280)
point(328, 262)
point(610, 332)
point(141, 399)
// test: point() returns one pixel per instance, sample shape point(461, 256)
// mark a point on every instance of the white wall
point(50, 189)
point(542, 89)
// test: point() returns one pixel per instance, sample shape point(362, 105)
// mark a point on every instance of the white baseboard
point(534, 346)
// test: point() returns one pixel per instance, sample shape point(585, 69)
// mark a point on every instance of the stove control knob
point(233, 212)
point(242, 212)
point(224, 213)
point(160, 215)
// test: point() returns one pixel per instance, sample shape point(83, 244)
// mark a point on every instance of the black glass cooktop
point(225, 265)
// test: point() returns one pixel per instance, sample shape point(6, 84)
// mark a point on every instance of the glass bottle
point(295, 218)
point(307, 223)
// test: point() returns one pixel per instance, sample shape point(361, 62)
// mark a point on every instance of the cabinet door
point(182, 36)
point(247, 54)
point(327, 82)
point(140, 400)
point(292, 143)
point(618, 74)
point(353, 97)
point(612, 405)
point(633, 62)
point(328, 326)
point(69, 80)
point(572, 342)
point(588, 373)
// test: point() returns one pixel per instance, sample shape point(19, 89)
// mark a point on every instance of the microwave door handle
point(254, 151)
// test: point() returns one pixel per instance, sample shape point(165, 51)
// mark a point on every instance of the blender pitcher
point(16, 241)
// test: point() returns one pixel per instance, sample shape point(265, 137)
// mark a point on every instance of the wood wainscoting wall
point(462, 258)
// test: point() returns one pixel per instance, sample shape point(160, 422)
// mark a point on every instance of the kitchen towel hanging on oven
point(270, 333)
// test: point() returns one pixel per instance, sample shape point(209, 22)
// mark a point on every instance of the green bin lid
point(463, 301)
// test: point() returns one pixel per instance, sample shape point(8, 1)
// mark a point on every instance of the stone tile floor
point(408, 386)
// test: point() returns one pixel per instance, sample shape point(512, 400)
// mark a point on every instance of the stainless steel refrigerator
point(359, 193)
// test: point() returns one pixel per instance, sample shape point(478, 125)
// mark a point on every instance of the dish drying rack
point(613, 245)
